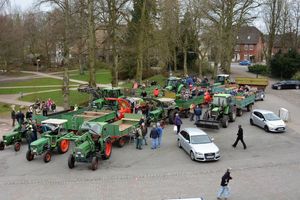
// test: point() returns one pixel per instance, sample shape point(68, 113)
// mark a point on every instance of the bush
point(259, 69)
point(296, 76)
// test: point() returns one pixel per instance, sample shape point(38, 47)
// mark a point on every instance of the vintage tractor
point(14, 137)
point(101, 93)
point(175, 85)
point(221, 110)
point(50, 140)
point(96, 139)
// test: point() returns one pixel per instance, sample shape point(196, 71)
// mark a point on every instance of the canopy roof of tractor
point(93, 127)
point(174, 78)
point(164, 99)
point(222, 95)
point(55, 121)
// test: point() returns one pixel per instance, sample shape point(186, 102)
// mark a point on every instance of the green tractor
point(221, 111)
point(91, 146)
point(14, 137)
point(52, 139)
point(175, 85)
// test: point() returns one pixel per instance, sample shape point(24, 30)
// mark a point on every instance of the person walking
point(144, 133)
point(154, 137)
point(160, 134)
point(192, 111)
point(198, 112)
point(139, 138)
point(224, 189)
point(240, 137)
point(13, 115)
point(178, 122)
point(20, 117)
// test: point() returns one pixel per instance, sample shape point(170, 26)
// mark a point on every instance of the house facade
point(249, 45)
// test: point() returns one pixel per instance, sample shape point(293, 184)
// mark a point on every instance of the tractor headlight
point(33, 150)
point(4, 141)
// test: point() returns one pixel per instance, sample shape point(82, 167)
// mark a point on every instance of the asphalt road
point(268, 169)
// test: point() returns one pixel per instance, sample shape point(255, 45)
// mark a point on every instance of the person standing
point(154, 137)
point(144, 94)
point(139, 138)
point(20, 117)
point(160, 134)
point(144, 132)
point(156, 92)
point(13, 115)
point(44, 109)
point(198, 112)
point(192, 112)
point(29, 113)
point(240, 137)
point(178, 122)
point(224, 189)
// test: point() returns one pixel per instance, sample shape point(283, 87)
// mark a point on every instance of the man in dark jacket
point(240, 136)
point(177, 122)
point(154, 135)
point(224, 190)
point(198, 112)
point(13, 115)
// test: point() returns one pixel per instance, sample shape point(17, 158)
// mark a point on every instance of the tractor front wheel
point(107, 150)
point(29, 155)
point(63, 146)
point(2, 145)
point(225, 121)
point(121, 141)
point(47, 156)
point(94, 163)
point(17, 146)
point(71, 161)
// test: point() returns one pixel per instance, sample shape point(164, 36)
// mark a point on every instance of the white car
point(267, 120)
point(198, 145)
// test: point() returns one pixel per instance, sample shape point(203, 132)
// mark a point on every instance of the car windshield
point(271, 117)
point(200, 139)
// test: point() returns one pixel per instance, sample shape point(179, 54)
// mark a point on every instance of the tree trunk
point(92, 43)
point(175, 59)
point(185, 71)
point(113, 27)
point(81, 42)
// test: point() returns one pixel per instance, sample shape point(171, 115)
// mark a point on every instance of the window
point(246, 47)
point(251, 47)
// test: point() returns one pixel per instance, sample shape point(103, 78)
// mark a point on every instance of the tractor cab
point(174, 84)
point(222, 78)
point(111, 93)
point(54, 126)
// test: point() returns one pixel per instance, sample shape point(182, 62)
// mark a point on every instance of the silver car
point(267, 120)
point(198, 145)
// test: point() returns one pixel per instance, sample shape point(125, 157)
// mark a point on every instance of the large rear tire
point(232, 116)
point(47, 156)
point(63, 146)
point(172, 116)
point(29, 155)
point(94, 163)
point(17, 146)
point(2, 145)
point(71, 161)
point(107, 150)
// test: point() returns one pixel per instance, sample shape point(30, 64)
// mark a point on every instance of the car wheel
point(278, 87)
point(192, 155)
point(297, 87)
point(266, 128)
point(251, 122)
point(179, 144)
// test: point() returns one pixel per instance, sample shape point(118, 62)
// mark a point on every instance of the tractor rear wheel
point(172, 116)
point(232, 116)
point(63, 146)
point(71, 161)
point(107, 150)
point(121, 141)
point(47, 156)
point(29, 155)
point(17, 146)
point(2, 145)
point(94, 163)
point(225, 121)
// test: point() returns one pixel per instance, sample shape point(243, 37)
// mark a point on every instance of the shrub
point(259, 69)
point(296, 76)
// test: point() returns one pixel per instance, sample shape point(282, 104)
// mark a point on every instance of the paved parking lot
point(268, 169)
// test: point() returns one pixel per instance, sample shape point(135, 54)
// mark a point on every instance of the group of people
point(195, 110)
point(44, 106)
point(19, 116)
point(156, 134)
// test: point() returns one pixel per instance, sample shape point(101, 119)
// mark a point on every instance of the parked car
point(198, 145)
point(287, 84)
point(267, 120)
point(245, 62)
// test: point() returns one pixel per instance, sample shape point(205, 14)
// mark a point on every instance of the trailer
point(243, 102)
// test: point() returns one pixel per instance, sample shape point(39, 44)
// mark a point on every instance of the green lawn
point(75, 97)
point(34, 82)
point(25, 90)
point(161, 80)
point(5, 109)
point(103, 76)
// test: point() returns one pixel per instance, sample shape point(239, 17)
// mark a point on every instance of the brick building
point(249, 45)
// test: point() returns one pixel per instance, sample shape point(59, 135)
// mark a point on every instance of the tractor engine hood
point(83, 149)
point(216, 109)
point(169, 87)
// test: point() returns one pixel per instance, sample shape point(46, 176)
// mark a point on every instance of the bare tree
point(273, 10)
point(91, 43)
